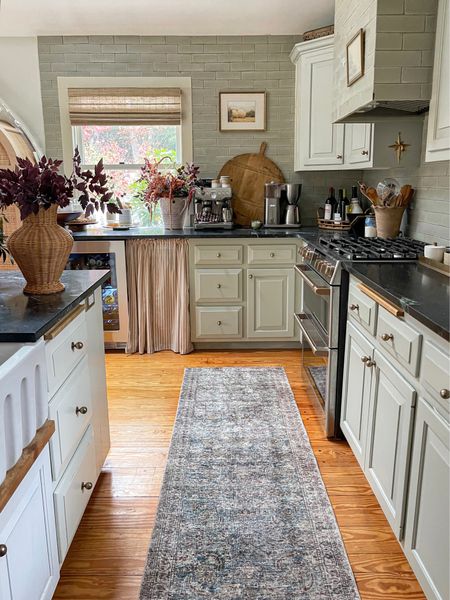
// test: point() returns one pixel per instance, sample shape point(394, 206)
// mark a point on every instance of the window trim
point(183, 83)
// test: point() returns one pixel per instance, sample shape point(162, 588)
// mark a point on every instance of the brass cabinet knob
point(365, 153)
point(387, 336)
point(77, 345)
point(339, 156)
point(365, 359)
point(445, 394)
point(218, 286)
point(370, 363)
point(219, 323)
point(218, 255)
point(86, 485)
point(272, 255)
point(354, 307)
point(81, 410)
point(250, 276)
point(3, 550)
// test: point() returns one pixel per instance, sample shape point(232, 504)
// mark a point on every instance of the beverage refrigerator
point(107, 255)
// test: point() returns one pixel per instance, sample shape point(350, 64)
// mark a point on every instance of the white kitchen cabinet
point(387, 454)
point(270, 308)
point(29, 567)
point(356, 391)
point(322, 145)
point(438, 135)
point(427, 533)
point(243, 293)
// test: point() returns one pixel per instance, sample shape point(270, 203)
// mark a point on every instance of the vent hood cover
point(398, 56)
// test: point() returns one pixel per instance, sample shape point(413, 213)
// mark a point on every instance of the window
point(124, 120)
point(123, 148)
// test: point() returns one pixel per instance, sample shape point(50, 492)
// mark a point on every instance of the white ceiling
point(162, 17)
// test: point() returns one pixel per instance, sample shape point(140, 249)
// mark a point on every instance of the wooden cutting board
point(249, 173)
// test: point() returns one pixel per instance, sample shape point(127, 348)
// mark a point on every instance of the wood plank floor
point(107, 557)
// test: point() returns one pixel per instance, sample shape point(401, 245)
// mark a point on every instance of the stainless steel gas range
point(323, 317)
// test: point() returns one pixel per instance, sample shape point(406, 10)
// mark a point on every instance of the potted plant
point(173, 189)
point(40, 246)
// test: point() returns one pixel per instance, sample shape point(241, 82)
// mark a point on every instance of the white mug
point(125, 216)
point(434, 252)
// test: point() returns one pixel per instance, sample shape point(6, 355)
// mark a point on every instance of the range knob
point(329, 269)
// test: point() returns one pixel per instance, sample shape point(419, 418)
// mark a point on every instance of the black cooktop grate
point(373, 248)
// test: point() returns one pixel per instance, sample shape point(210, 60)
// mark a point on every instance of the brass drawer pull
point(365, 359)
point(86, 486)
point(218, 255)
point(77, 346)
point(81, 410)
point(354, 307)
point(218, 286)
point(272, 255)
point(339, 156)
point(3, 550)
point(386, 337)
point(365, 153)
point(250, 276)
point(219, 323)
point(445, 394)
point(370, 363)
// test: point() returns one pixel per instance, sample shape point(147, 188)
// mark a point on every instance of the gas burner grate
point(368, 249)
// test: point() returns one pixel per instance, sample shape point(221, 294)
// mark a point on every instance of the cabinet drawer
point(434, 374)
point(71, 409)
point(362, 309)
point(213, 285)
point(272, 254)
point(71, 495)
point(65, 351)
point(218, 255)
point(399, 339)
point(218, 322)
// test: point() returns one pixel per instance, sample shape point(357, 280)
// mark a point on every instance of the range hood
point(398, 56)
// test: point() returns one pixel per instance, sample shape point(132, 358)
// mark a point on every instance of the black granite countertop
point(420, 291)
point(27, 318)
point(94, 233)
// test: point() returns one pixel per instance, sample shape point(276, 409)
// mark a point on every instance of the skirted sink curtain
point(158, 288)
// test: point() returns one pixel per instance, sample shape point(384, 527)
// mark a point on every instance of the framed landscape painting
point(242, 111)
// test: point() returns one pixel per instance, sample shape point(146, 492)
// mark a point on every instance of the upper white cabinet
point(438, 138)
point(320, 144)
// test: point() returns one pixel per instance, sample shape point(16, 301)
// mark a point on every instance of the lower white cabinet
point(388, 442)
point(270, 307)
point(356, 392)
point(29, 566)
point(427, 533)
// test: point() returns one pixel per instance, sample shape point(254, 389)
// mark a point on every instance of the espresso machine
point(281, 204)
point(212, 208)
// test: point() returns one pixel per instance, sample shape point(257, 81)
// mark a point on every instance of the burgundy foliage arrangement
point(35, 186)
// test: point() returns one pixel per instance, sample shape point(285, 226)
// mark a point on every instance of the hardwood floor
point(107, 557)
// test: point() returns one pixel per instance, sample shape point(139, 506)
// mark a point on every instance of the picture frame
point(242, 111)
point(355, 58)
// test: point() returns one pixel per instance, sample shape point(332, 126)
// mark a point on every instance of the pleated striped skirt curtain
point(158, 288)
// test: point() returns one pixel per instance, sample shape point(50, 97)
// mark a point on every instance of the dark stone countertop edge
point(27, 337)
point(420, 315)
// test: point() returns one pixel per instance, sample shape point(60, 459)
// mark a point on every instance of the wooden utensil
point(249, 173)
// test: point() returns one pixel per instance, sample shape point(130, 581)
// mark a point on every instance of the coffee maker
point(281, 204)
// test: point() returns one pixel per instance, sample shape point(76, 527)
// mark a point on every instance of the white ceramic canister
point(434, 252)
point(125, 216)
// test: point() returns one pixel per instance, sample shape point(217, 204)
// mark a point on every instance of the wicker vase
point(173, 211)
point(41, 248)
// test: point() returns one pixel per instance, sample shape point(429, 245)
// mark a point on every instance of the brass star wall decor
point(399, 146)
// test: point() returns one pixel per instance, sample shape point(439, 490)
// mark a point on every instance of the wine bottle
point(344, 205)
point(340, 206)
point(330, 205)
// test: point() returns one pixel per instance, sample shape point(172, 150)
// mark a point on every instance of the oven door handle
point(320, 291)
point(317, 350)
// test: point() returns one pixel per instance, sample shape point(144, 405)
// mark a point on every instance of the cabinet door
point(318, 141)
point(356, 391)
point(358, 144)
point(30, 569)
point(427, 533)
point(389, 436)
point(438, 138)
point(270, 303)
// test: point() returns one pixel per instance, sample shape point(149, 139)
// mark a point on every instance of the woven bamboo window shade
point(125, 106)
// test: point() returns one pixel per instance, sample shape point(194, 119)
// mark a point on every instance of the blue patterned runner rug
point(243, 513)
